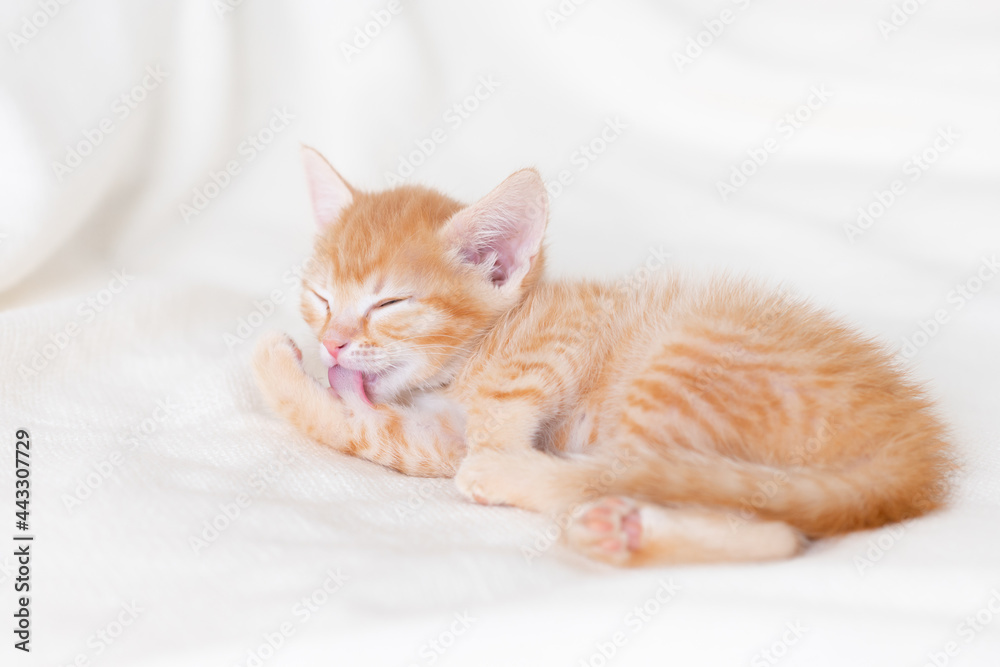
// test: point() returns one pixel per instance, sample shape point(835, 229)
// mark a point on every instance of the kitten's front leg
point(297, 397)
point(413, 441)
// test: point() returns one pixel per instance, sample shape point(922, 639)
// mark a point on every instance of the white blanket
point(154, 215)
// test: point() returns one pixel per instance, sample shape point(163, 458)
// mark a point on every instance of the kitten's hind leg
point(622, 531)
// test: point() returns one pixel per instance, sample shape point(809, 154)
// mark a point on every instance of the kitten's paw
point(528, 479)
point(275, 349)
point(474, 481)
point(492, 477)
point(277, 364)
point(608, 529)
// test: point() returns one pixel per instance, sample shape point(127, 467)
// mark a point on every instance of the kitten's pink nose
point(335, 346)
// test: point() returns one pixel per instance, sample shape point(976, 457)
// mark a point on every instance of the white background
point(145, 421)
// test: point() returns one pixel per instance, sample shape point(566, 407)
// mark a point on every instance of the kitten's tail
point(902, 481)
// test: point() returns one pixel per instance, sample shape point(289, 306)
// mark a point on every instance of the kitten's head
point(404, 282)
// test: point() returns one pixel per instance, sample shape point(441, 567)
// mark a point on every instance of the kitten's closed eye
point(320, 300)
point(388, 302)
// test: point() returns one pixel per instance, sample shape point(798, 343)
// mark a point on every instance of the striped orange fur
point(670, 421)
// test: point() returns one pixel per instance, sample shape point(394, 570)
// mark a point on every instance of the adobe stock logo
point(793, 632)
point(562, 12)
point(249, 149)
point(913, 169)
point(264, 308)
point(958, 297)
point(121, 108)
point(454, 117)
point(605, 650)
point(433, 649)
point(586, 154)
point(363, 35)
point(901, 14)
point(33, 23)
point(966, 631)
point(786, 127)
point(699, 43)
point(88, 310)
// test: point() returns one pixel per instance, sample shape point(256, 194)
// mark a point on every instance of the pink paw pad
point(610, 529)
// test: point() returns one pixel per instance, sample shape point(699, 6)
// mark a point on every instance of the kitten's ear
point(330, 193)
point(502, 232)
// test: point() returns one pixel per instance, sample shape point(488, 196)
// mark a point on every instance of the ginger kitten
point(672, 422)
